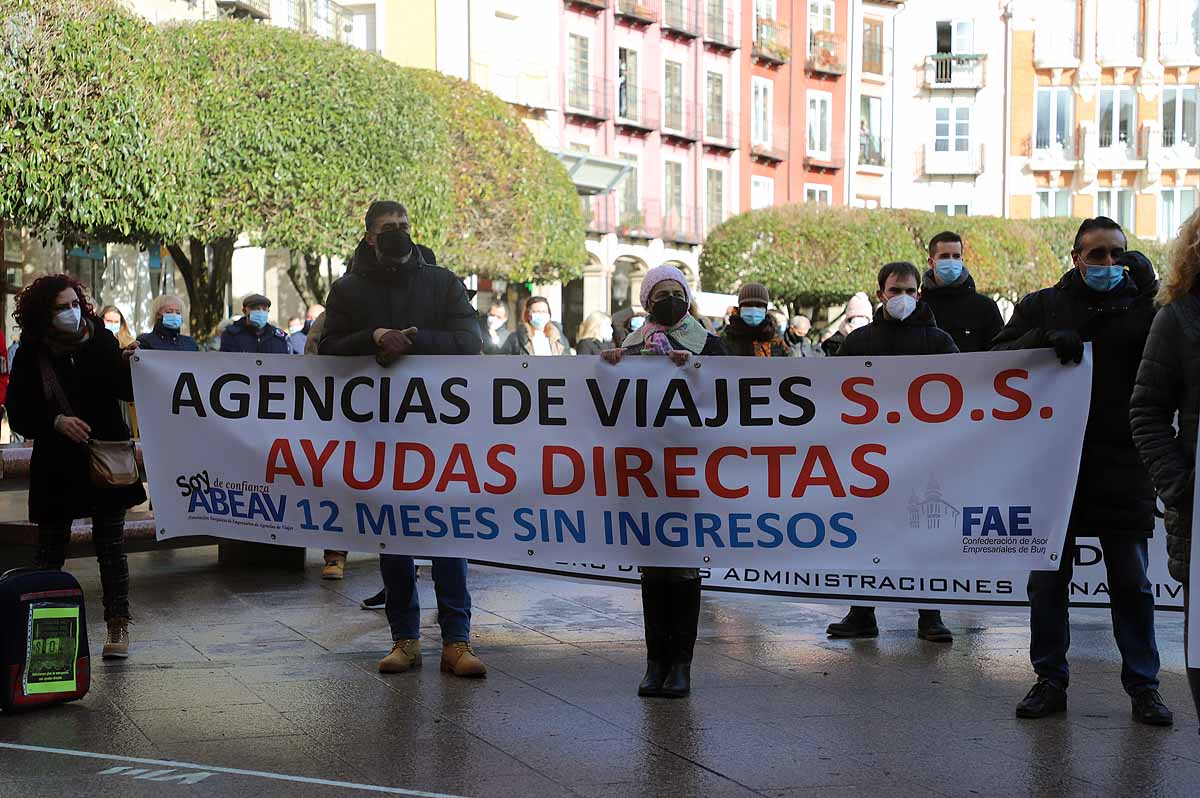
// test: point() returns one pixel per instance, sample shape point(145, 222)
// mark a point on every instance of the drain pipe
point(1007, 15)
point(891, 203)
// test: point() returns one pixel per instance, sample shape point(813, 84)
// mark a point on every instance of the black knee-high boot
point(655, 609)
point(685, 617)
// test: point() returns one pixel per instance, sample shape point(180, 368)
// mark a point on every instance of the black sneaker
point(1148, 708)
point(859, 622)
point(931, 628)
point(1046, 698)
point(375, 602)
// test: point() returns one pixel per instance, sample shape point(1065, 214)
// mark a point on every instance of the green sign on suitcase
point(52, 648)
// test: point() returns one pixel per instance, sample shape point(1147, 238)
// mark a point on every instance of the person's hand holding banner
point(393, 345)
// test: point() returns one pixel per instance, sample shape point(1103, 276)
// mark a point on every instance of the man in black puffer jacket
point(903, 325)
point(1098, 301)
point(971, 318)
point(391, 304)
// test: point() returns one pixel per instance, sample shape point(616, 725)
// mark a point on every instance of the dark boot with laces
point(859, 622)
point(1045, 698)
point(1148, 708)
point(931, 628)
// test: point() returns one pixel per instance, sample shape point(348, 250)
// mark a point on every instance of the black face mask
point(394, 245)
point(669, 310)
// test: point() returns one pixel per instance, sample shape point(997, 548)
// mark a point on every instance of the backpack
point(43, 639)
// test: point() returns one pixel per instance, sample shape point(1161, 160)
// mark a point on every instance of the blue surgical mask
point(172, 321)
point(258, 318)
point(113, 327)
point(947, 270)
point(1103, 278)
point(67, 320)
point(636, 322)
point(753, 316)
point(539, 320)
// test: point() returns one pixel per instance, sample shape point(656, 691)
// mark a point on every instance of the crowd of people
point(71, 374)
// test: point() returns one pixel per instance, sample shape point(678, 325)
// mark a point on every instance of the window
point(870, 145)
point(629, 206)
point(820, 123)
point(673, 95)
point(872, 46)
point(761, 110)
point(1117, 118)
point(1053, 202)
point(362, 33)
point(1180, 30)
point(762, 192)
point(821, 195)
point(1055, 41)
point(955, 36)
point(820, 19)
point(1179, 116)
point(1176, 206)
point(672, 193)
point(952, 129)
point(1118, 36)
point(715, 19)
point(765, 9)
point(714, 198)
point(951, 210)
point(627, 84)
point(1055, 126)
point(1116, 203)
point(714, 112)
point(577, 86)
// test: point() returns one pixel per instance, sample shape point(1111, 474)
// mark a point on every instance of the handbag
point(112, 464)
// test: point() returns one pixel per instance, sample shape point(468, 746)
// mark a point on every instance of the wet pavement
point(264, 684)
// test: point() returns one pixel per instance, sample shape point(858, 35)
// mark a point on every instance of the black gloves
point(1067, 345)
point(1140, 270)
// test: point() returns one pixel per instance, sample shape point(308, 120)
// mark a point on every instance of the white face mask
point(495, 322)
point(67, 320)
point(606, 333)
point(858, 321)
point(901, 307)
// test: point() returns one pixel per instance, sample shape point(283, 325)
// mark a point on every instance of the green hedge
point(814, 256)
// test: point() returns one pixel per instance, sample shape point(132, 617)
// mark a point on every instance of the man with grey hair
point(392, 303)
point(796, 337)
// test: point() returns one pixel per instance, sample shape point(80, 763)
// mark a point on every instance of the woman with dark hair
point(670, 596)
point(536, 334)
point(67, 380)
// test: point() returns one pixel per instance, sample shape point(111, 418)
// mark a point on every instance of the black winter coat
point(1168, 383)
point(417, 294)
point(833, 344)
point(241, 337)
point(1114, 496)
point(160, 339)
point(972, 319)
point(762, 341)
point(93, 379)
point(591, 346)
point(916, 335)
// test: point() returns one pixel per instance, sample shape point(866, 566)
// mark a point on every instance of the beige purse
point(112, 464)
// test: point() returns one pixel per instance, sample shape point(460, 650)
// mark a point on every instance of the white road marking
point(346, 785)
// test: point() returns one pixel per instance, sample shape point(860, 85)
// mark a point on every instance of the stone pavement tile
point(231, 633)
point(146, 652)
point(227, 653)
point(291, 597)
point(295, 670)
point(966, 769)
point(297, 755)
point(1134, 770)
point(782, 655)
point(507, 634)
point(247, 721)
point(91, 724)
point(335, 693)
point(172, 688)
point(693, 783)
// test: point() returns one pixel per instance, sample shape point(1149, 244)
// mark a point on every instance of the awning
point(591, 173)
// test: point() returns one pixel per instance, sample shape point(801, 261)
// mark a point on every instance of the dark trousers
point(1132, 599)
point(671, 611)
point(108, 539)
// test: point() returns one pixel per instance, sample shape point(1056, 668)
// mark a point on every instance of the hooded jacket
point(972, 319)
point(1114, 496)
point(417, 294)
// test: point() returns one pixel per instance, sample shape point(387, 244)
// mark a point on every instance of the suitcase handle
point(15, 571)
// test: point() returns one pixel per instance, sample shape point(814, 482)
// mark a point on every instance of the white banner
point(962, 464)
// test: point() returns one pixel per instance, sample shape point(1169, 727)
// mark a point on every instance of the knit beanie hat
point(859, 305)
point(754, 292)
point(656, 276)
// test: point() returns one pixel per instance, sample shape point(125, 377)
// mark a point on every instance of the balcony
point(823, 162)
point(1053, 152)
point(954, 71)
point(594, 5)
point(872, 151)
point(680, 120)
point(952, 162)
point(637, 12)
point(775, 149)
point(587, 98)
point(632, 221)
point(720, 27)
point(637, 108)
point(599, 213)
point(1177, 48)
point(771, 42)
point(681, 18)
point(525, 89)
point(720, 130)
point(325, 19)
point(1055, 49)
point(254, 9)
point(826, 53)
point(680, 226)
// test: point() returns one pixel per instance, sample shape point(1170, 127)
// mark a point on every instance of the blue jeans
point(1132, 601)
point(403, 607)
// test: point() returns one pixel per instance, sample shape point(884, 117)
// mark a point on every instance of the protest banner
point(944, 464)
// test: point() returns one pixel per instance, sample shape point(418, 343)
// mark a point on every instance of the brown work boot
point(405, 654)
point(459, 659)
point(335, 566)
point(116, 646)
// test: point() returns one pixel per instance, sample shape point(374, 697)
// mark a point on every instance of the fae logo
point(931, 511)
point(985, 521)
